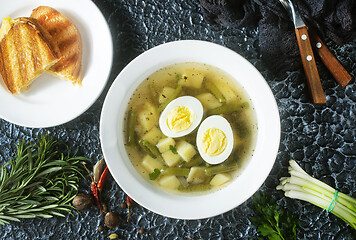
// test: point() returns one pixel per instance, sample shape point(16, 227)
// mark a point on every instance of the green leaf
point(265, 230)
point(49, 170)
point(173, 149)
point(27, 216)
point(155, 174)
point(57, 214)
point(51, 198)
point(44, 215)
point(3, 222)
point(275, 236)
point(178, 76)
point(50, 206)
point(39, 181)
point(9, 218)
point(276, 217)
point(56, 163)
point(272, 221)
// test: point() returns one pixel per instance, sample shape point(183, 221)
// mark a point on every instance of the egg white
point(221, 123)
point(194, 106)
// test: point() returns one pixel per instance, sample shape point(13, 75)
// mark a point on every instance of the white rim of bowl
point(183, 206)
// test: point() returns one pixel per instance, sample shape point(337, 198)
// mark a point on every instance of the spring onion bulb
point(302, 186)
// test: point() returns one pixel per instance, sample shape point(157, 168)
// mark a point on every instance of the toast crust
point(66, 35)
point(25, 52)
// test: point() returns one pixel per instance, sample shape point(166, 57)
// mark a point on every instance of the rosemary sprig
point(40, 181)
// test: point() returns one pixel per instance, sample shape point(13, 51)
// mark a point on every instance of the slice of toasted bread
point(65, 34)
point(7, 22)
point(26, 51)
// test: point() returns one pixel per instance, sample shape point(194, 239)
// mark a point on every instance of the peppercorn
point(111, 220)
point(82, 201)
point(101, 228)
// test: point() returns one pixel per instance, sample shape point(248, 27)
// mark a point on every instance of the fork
point(306, 52)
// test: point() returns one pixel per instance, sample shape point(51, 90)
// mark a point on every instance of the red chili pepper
point(129, 201)
point(94, 190)
point(102, 179)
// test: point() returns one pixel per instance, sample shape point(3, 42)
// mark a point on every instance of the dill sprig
point(40, 181)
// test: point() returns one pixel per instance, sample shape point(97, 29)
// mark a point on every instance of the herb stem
point(40, 181)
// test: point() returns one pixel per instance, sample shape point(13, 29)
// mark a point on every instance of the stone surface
point(320, 138)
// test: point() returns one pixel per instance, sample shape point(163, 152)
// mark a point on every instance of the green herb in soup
point(190, 127)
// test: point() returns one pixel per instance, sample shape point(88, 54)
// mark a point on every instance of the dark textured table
point(320, 138)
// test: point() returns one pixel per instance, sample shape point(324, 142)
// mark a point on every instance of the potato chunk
point(166, 93)
point(228, 93)
point(153, 135)
point(149, 163)
point(220, 179)
point(196, 175)
point(147, 116)
point(209, 101)
point(192, 79)
point(170, 182)
point(164, 144)
point(186, 150)
point(170, 158)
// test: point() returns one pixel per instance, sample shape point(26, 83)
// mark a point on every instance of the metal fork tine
point(286, 6)
point(296, 18)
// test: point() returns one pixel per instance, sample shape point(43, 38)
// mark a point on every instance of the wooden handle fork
point(330, 61)
point(316, 89)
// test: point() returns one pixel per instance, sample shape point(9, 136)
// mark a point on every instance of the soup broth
point(174, 163)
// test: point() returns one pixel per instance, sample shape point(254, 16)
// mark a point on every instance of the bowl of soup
point(190, 129)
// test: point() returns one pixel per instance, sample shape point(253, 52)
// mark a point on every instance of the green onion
point(302, 186)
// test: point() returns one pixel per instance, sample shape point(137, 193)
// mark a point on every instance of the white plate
point(51, 101)
point(183, 206)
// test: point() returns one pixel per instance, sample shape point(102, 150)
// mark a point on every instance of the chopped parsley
point(178, 76)
point(173, 149)
point(272, 221)
point(155, 174)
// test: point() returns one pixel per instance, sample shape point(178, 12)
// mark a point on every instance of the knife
point(313, 79)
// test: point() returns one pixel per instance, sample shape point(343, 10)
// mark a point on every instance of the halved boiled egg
point(181, 116)
point(215, 139)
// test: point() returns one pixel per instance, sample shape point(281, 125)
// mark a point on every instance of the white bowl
point(183, 206)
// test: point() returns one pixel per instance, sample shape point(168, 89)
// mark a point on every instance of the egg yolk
point(214, 142)
point(179, 119)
